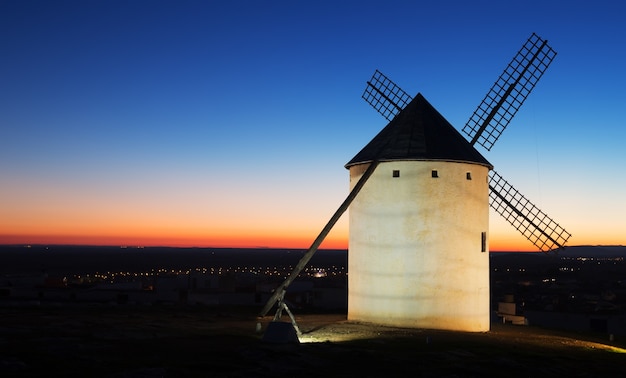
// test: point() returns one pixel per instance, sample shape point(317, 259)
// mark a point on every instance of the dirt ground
point(133, 341)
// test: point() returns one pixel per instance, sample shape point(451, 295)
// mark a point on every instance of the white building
point(418, 254)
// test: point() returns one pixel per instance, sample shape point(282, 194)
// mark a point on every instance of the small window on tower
point(396, 173)
point(434, 173)
point(468, 175)
point(483, 242)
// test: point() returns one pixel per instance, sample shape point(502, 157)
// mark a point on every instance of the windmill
point(419, 229)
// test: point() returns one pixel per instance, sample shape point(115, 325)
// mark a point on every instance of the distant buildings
point(318, 287)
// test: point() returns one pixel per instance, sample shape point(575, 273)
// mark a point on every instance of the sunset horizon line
point(260, 247)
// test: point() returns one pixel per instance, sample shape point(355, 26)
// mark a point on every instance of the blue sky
point(208, 119)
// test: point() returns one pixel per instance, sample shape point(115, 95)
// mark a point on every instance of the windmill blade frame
point(524, 216)
point(385, 96)
point(509, 92)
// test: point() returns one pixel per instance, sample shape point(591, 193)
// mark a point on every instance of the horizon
point(133, 246)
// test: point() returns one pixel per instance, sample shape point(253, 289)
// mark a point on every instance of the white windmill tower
point(418, 229)
point(418, 254)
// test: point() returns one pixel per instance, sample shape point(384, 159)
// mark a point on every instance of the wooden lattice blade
point(509, 92)
point(531, 222)
point(385, 96)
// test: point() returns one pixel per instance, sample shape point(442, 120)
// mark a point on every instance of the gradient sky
point(228, 123)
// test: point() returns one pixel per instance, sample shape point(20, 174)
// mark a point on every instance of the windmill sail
point(531, 222)
point(385, 96)
point(509, 92)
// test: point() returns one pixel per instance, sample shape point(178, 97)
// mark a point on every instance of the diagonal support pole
point(320, 238)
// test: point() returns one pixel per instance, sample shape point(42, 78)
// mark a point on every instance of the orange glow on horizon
point(528, 247)
point(506, 244)
point(252, 240)
point(226, 237)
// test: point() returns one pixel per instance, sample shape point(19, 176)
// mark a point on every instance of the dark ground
point(120, 341)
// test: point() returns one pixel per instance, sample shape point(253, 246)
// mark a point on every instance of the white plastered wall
point(417, 255)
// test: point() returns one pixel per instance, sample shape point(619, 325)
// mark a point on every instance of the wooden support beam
point(320, 238)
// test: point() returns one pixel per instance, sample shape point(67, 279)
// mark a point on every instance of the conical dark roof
point(419, 132)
